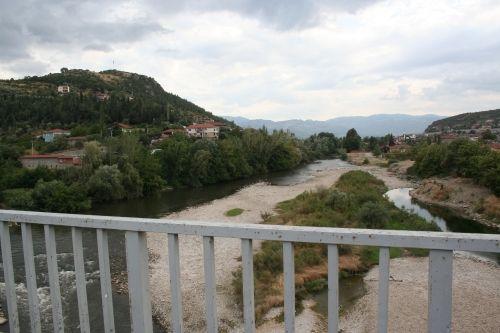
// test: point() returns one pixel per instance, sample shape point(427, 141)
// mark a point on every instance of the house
point(168, 133)
point(50, 135)
point(51, 161)
point(206, 130)
point(63, 89)
point(125, 128)
point(101, 97)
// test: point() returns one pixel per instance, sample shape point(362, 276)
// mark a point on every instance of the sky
point(273, 59)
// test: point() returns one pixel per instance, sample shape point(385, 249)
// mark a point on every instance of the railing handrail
point(284, 233)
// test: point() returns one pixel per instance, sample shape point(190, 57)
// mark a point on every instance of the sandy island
point(256, 199)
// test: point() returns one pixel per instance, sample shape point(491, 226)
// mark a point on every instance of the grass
point(356, 201)
point(234, 212)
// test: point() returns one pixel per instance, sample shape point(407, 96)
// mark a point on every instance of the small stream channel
point(351, 288)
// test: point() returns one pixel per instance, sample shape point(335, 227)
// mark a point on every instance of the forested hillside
point(136, 99)
point(466, 121)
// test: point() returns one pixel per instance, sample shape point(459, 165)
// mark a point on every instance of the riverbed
point(160, 205)
point(257, 195)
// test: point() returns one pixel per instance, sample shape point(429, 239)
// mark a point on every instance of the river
point(352, 288)
point(160, 205)
point(151, 207)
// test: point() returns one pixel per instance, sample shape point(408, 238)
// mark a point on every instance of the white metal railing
point(441, 245)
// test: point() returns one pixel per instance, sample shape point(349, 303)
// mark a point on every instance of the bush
point(373, 215)
point(106, 184)
point(18, 198)
point(463, 158)
point(234, 212)
point(55, 196)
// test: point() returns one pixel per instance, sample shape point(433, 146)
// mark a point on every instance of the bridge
point(440, 244)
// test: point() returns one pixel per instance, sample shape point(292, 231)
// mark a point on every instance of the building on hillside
point(63, 89)
point(125, 128)
point(50, 135)
point(206, 130)
point(101, 96)
point(168, 133)
point(51, 161)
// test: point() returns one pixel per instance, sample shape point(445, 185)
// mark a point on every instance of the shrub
point(373, 215)
point(234, 212)
point(55, 196)
point(18, 198)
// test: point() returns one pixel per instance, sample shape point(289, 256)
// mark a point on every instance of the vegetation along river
point(352, 288)
point(152, 207)
point(164, 203)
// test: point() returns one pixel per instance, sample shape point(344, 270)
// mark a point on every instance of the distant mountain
point(376, 125)
point(466, 121)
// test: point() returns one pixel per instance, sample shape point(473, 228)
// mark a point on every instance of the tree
point(352, 140)
point(488, 135)
point(92, 157)
point(55, 196)
point(106, 184)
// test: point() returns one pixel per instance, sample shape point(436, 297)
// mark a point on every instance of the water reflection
point(445, 219)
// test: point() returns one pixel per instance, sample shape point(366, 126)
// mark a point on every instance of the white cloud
point(254, 59)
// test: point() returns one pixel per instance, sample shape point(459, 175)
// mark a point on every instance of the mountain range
point(376, 125)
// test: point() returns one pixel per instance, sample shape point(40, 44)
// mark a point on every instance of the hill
point(107, 96)
point(466, 121)
point(376, 125)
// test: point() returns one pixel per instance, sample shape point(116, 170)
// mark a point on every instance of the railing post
point(248, 285)
point(10, 283)
point(81, 283)
point(106, 291)
point(440, 291)
point(175, 282)
point(333, 289)
point(138, 281)
point(210, 285)
point(55, 290)
point(29, 263)
point(383, 289)
point(289, 277)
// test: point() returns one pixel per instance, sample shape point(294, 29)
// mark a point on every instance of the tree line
point(123, 167)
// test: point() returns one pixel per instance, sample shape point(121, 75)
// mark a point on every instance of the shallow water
point(350, 289)
point(152, 207)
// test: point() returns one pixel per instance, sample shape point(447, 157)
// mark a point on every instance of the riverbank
point(463, 197)
point(255, 200)
point(476, 287)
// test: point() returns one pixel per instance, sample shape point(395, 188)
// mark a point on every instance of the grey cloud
point(24, 24)
point(279, 14)
point(98, 47)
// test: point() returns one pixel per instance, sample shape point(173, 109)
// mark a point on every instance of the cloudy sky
point(273, 59)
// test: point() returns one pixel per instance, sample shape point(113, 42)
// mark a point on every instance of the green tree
point(55, 196)
point(106, 184)
point(92, 157)
point(352, 140)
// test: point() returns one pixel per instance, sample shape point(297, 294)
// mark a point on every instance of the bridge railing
point(440, 244)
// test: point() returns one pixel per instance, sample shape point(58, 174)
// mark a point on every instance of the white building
point(205, 130)
point(64, 89)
